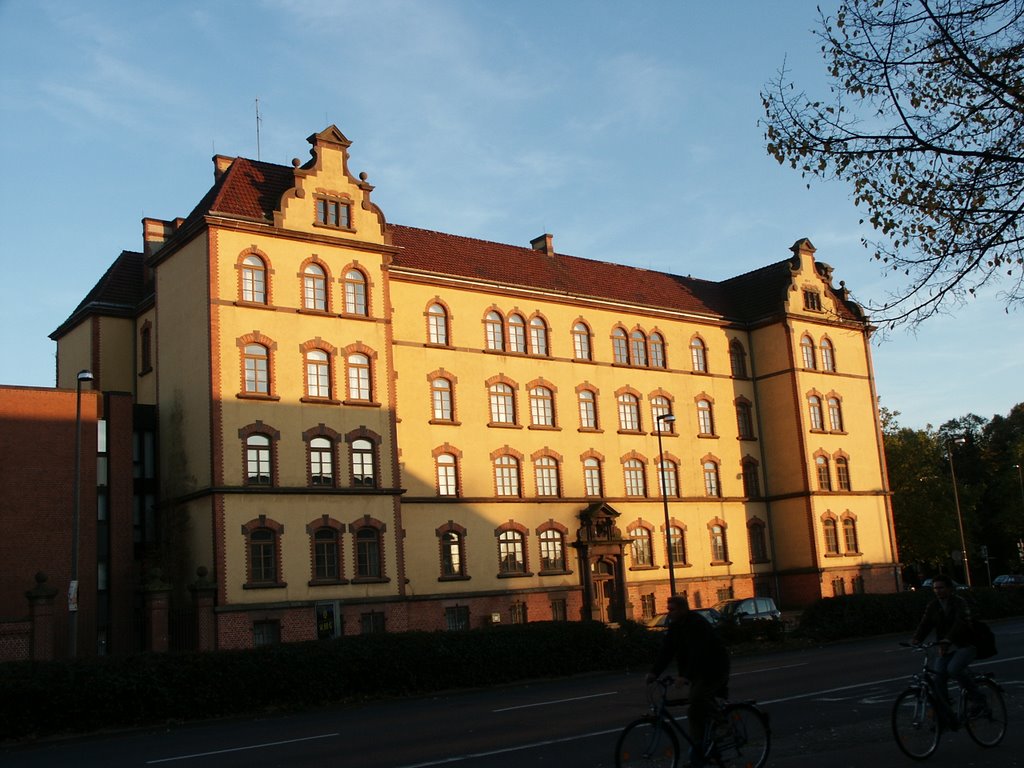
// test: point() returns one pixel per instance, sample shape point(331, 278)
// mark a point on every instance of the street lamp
point(956, 500)
point(1020, 479)
point(662, 419)
point(83, 376)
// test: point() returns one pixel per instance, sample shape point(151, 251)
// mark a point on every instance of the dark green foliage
point(836, 618)
point(90, 694)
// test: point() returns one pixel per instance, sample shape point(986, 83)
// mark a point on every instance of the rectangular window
point(647, 605)
point(812, 301)
point(456, 618)
point(517, 613)
point(558, 610)
point(266, 633)
point(371, 623)
point(333, 213)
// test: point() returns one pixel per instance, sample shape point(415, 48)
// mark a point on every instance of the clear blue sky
point(629, 131)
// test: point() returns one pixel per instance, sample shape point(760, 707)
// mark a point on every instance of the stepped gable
point(117, 293)
point(436, 252)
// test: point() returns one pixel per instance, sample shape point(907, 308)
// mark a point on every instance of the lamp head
point(669, 417)
point(85, 375)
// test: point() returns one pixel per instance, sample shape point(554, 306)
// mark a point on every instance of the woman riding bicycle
point(950, 616)
point(702, 659)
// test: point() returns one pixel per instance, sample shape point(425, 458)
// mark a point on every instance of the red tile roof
point(118, 293)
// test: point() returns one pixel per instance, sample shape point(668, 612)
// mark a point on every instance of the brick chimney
point(544, 244)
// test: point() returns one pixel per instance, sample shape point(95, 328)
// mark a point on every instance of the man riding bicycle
point(950, 616)
point(702, 659)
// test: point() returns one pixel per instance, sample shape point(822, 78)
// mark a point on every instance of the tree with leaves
point(926, 121)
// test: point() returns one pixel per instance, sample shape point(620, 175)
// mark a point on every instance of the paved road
point(829, 706)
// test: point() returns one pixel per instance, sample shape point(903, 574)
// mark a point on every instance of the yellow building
point(366, 427)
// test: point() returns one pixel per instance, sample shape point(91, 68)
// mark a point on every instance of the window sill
point(267, 585)
point(312, 311)
point(818, 431)
point(361, 403)
point(333, 228)
point(323, 484)
point(655, 433)
point(453, 578)
point(326, 582)
point(370, 580)
point(853, 554)
point(707, 436)
point(764, 561)
point(545, 428)
point(319, 400)
point(437, 345)
point(555, 573)
point(833, 554)
point(445, 422)
point(701, 373)
point(523, 575)
point(838, 432)
point(254, 305)
point(720, 562)
point(747, 439)
point(354, 315)
point(643, 567)
point(591, 430)
point(631, 432)
point(256, 396)
point(678, 565)
point(503, 425)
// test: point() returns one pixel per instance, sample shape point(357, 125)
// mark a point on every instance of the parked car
point(660, 621)
point(927, 584)
point(1009, 580)
point(749, 609)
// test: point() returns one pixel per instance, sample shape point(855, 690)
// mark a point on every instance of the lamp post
point(662, 419)
point(956, 500)
point(83, 376)
point(1020, 479)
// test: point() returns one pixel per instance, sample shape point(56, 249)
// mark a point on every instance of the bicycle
point(920, 713)
point(738, 735)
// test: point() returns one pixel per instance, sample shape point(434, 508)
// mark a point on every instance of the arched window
point(824, 476)
point(737, 360)
point(705, 418)
point(835, 414)
point(451, 554)
point(363, 463)
point(637, 348)
point(668, 475)
point(506, 475)
point(368, 553)
point(441, 398)
point(546, 471)
point(828, 358)
point(258, 460)
point(359, 377)
point(321, 461)
point(581, 342)
point(588, 409)
point(850, 535)
point(831, 536)
point(814, 411)
point(437, 324)
point(494, 329)
point(592, 477)
point(636, 483)
point(552, 550)
point(807, 351)
point(660, 408)
point(677, 543)
point(843, 473)
point(758, 542)
point(516, 333)
point(325, 554)
point(503, 404)
point(256, 361)
point(629, 412)
point(744, 420)
point(751, 479)
point(447, 475)
point(318, 373)
point(262, 556)
point(698, 356)
point(538, 336)
point(643, 552)
point(355, 293)
point(254, 279)
point(314, 288)
point(719, 544)
point(657, 347)
point(620, 348)
point(711, 485)
point(511, 552)
point(542, 407)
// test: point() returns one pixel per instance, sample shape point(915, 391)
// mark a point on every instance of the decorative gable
point(326, 199)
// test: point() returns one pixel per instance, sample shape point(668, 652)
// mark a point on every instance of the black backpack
point(984, 639)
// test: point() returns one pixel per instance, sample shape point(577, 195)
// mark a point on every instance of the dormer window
point(812, 301)
point(331, 212)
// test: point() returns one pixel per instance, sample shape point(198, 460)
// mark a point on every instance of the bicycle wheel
point(915, 723)
point(988, 727)
point(742, 738)
point(647, 743)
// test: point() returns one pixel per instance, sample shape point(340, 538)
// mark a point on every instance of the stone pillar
point(204, 595)
point(157, 598)
point(40, 604)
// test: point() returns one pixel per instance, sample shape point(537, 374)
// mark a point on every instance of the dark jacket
point(698, 650)
point(952, 622)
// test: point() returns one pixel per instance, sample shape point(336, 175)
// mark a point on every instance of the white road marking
point(555, 701)
point(241, 749)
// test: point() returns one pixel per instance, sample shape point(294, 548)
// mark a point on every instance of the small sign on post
point(73, 596)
